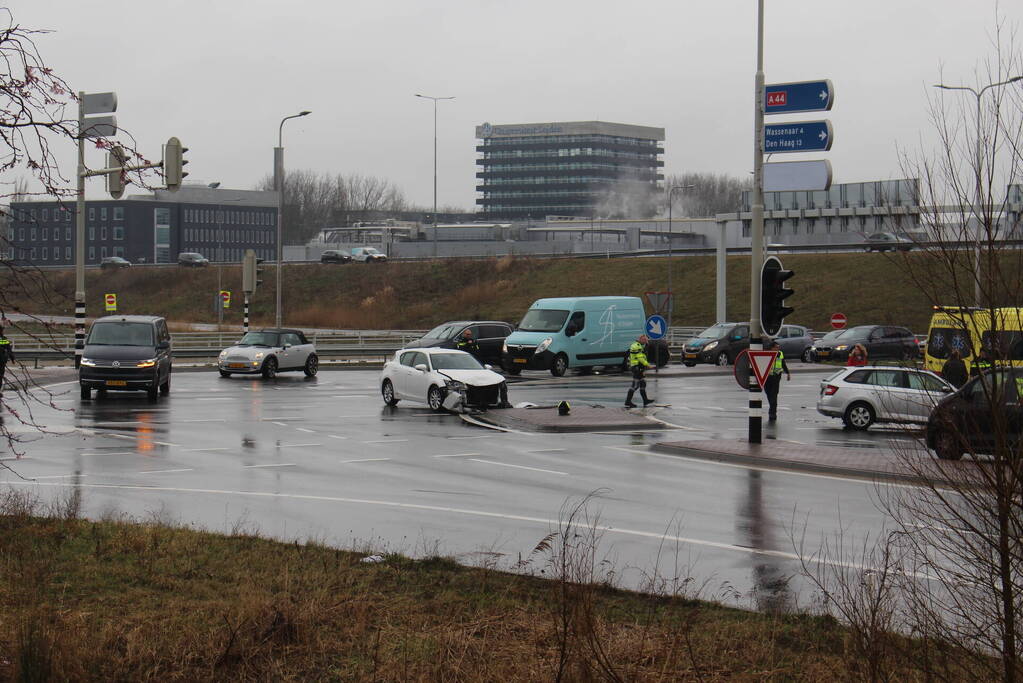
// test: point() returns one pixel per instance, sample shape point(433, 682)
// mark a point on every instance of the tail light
point(830, 389)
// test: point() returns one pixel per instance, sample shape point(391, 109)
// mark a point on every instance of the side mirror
point(422, 367)
point(286, 346)
point(488, 366)
point(163, 345)
point(947, 390)
point(737, 337)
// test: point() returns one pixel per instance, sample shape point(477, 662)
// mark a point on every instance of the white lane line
point(345, 462)
point(303, 429)
point(216, 398)
point(280, 424)
point(219, 420)
point(335, 436)
point(186, 469)
point(388, 441)
point(488, 436)
point(110, 453)
point(137, 437)
point(520, 467)
point(278, 420)
point(297, 445)
point(283, 464)
point(350, 396)
point(205, 450)
point(549, 450)
point(549, 523)
point(457, 455)
point(60, 476)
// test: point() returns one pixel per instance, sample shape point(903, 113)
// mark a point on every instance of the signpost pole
point(757, 231)
point(245, 318)
point(80, 237)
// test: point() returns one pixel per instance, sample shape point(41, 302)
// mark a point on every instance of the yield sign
point(762, 362)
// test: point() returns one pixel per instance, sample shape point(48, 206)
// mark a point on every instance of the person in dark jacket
point(468, 344)
point(6, 354)
point(954, 371)
point(638, 365)
point(981, 363)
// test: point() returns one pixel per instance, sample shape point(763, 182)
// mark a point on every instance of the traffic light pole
point(80, 237)
point(245, 319)
point(756, 413)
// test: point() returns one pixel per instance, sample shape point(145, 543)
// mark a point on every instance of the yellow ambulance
point(968, 330)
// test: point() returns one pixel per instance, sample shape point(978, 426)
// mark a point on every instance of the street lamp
point(435, 99)
point(978, 190)
point(671, 192)
point(279, 188)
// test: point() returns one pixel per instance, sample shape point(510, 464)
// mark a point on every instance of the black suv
point(719, 344)
point(881, 342)
point(488, 334)
point(111, 262)
point(965, 421)
point(191, 258)
point(127, 353)
point(335, 256)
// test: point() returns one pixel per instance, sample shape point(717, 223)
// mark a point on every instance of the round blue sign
point(656, 326)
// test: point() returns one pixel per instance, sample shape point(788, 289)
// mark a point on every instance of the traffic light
point(251, 272)
point(773, 293)
point(116, 159)
point(174, 163)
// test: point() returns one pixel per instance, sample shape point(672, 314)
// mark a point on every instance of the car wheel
point(387, 391)
point(689, 365)
point(722, 359)
point(946, 445)
point(225, 373)
point(165, 387)
point(806, 357)
point(858, 416)
point(560, 365)
point(513, 371)
point(269, 368)
point(312, 365)
point(435, 398)
point(86, 393)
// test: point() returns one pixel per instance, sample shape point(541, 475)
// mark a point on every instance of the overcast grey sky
point(221, 74)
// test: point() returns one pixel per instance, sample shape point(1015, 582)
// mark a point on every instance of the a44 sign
point(788, 98)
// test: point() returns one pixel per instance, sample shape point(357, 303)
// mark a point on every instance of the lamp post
point(671, 193)
point(978, 190)
point(435, 99)
point(279, 188)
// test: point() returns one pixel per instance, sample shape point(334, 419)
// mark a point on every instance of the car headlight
point(504, 347)
point(454, 385)
point(223, 354)
point(841, 347)
point(146, 363)
point(89, 362)
point(544, 345)
point(258, 355)
point(711, 346)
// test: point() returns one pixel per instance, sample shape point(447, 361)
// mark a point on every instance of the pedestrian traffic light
point(251, 272)
point(115, 176)
point(174, 163)
point(773, 293)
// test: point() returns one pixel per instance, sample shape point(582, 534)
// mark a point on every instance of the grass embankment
point(868, 288)
point(111, 600)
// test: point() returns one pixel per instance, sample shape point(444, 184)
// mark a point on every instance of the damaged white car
point(443, 379)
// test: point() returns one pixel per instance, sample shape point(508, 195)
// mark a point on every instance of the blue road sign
point(798, 136)
point(656, 327)
point(788, 98)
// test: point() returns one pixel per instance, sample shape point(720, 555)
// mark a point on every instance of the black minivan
point(489, 336)
point(127, 353)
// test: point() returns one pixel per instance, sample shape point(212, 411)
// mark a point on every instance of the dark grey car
point(127, 353)
point(488, 334)
point(888, 241)
point(881, 342)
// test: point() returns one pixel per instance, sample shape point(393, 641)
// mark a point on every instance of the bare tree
point(711, 194)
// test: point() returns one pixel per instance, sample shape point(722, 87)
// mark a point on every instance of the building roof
point(628, 130)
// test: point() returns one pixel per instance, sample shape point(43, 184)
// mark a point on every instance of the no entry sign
point(838, 320)
point(110, 301)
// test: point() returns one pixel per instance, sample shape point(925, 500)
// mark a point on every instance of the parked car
point(966, 420)
point(883, 342)
point(489, 336)
point(269, 351)
point(827, 341)
point(335, 256)
point(439, 378)
point(113, 262)
point(368, 255)
point(127, 353)
point(861, 396)
point(888, 241)
point(718, 344)
point(795, 342)
point(192, 259)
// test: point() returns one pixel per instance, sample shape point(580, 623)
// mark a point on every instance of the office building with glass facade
point(532, 170)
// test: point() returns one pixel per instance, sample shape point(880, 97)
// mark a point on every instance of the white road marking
point(277, 420)
point(549, 450)
point(303, 429)
point(110, 453)
point(486, 436)
point(137, 437)
point(219, 420)
point(280, 424)
point(335, 436)
point(542, 521)
point(297, 445)
point(457, 455)
point(388, 441)
point(520, 467)
point(345, 462)
point(350, 396)
point(60, 476)
point(283, 464)
point(187, 469)
point(204, 450)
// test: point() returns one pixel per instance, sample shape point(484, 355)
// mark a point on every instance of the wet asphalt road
point(323, 459)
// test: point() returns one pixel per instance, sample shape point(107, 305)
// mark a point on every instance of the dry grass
point(113, 600)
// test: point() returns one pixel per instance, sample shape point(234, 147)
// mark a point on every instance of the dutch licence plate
point(823, 354)
point(236, 365)
point(520, 360)
point(116, 383)
point(690, 355)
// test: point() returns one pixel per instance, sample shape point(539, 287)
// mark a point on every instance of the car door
point(787, 341)
point(403, 373)
point(875, 344)
point(889, 388)
point(418, 382)
point(925, 390)
point(492, 340)
point(305, 349)
point(291, 354)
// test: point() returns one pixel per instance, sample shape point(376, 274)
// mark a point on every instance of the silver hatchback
point(865, 395)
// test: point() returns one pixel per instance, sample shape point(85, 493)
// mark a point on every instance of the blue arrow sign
point(799, 136)
point(656, 327)
point(787, 98)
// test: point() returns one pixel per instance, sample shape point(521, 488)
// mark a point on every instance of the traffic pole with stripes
point(79, 332)
point(245, 318)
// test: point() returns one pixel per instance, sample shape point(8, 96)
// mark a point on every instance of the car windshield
point(121, 334)
point(260, 339)
point(715, 332)
point(543, 320)
point(833, 335)
point(856, 333)
point(370, 250)
point(444, 331)
point(454, 361)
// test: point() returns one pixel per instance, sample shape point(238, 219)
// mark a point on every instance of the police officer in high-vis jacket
point(774, 381)
point(6, 354)
point(638, 365)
